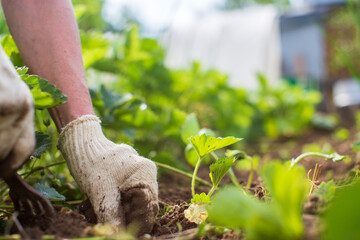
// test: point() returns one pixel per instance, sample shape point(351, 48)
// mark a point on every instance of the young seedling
point(206, 144)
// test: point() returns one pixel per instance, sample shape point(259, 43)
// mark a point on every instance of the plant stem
point(251, 173)
point(211, 190)
point(250, 178)
point(194, 176)
point(27, 174)
point(308, 154)
point(6, 206)
point(200, 180)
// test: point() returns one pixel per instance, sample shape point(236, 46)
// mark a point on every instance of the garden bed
point(175, 194)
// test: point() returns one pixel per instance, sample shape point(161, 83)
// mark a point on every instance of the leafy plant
point(45, 96)
point(206, 144)
point(326, 191)
point(283, 110)
point(248, 163)
point(278, 219)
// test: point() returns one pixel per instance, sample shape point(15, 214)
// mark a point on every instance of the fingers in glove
point(139, 208)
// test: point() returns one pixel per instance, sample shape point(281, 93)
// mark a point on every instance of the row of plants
point(146, 104)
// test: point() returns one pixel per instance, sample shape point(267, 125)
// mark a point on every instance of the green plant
point(283, 110)
point(45, 96)
point(206, 144)
point(278, 219)
point(342, 216)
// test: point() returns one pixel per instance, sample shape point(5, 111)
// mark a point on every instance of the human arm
point(47, 36)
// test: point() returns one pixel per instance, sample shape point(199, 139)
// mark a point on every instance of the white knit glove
point(17, 138)
point(120, 184)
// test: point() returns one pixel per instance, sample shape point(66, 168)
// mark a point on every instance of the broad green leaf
point(280, 219)
point(219, 168)
point(288, 188)
point(201, 198)
point(49, 192)
point(43, 142)
point(234, 209)
point(205, 144)
point(189, 128)
point(326, 191)
point(342, 217)
point(45, 95)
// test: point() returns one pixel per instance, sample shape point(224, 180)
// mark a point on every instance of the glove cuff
point(81, 136)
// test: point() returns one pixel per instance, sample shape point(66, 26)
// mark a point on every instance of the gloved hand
point(17, 138)
point(120, 184)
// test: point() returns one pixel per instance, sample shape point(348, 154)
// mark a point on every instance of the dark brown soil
point(66, 224)
point(172, 221)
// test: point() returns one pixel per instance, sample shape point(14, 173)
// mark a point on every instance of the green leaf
point(220, 168)
point(288, 188)
point(49, 192)
point(45, 94)
point(205, 144)
point(235, 209)
point(189, 128)
point(43, 142)
point(280, 219)
point(342, 217)
point(201, 198)
point(326, 191)
point(191, 155)
point(11, 50)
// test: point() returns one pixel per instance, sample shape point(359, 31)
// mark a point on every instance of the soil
point(175, 194)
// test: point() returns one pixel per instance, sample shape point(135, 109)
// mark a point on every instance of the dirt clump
point(65, 224)
point(172, 221)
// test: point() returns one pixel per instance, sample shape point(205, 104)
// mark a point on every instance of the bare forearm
point(47, 36)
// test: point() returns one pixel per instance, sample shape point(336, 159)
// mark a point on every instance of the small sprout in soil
point(204, 145)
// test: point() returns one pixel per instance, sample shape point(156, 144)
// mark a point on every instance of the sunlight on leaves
point(45, 94)
point(205, 144)
point(201, 198)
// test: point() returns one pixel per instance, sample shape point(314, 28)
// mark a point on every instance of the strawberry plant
point(45, 96)
point(280, 218)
